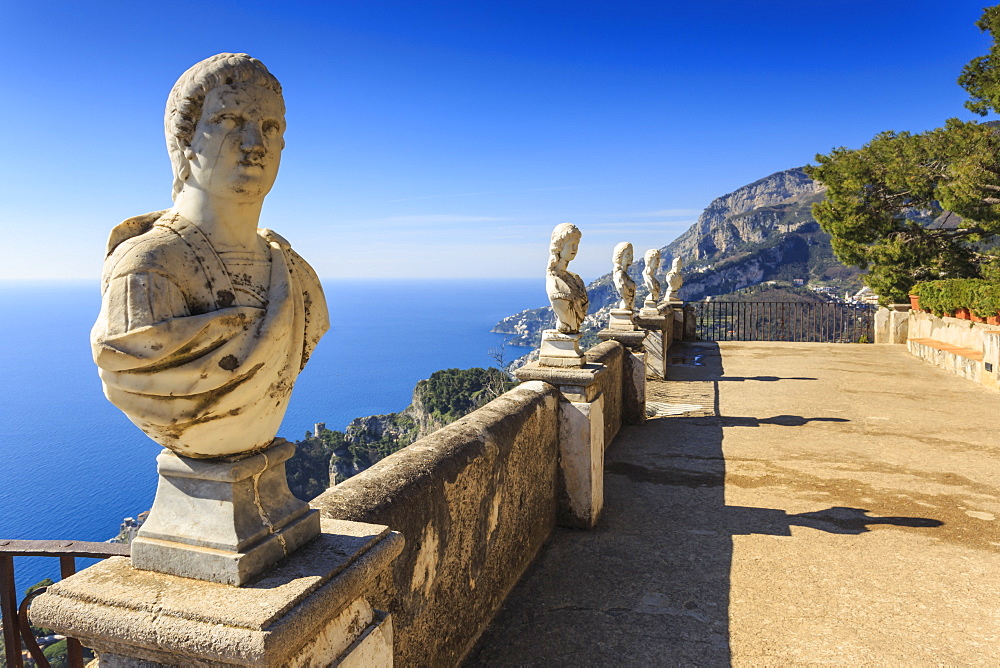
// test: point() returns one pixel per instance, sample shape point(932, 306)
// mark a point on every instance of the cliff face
point(762, 231)
point(748, 215)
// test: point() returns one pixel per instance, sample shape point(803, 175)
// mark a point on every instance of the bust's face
point(237, 142)
point(569, 248)
point(626, 258)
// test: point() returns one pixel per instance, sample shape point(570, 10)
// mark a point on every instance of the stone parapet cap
point(632, 340)
point(575, 384)
point(118, 608)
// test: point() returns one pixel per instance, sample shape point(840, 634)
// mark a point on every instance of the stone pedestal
point(308, 611)
point(673, 312)
point(223, 520)
point(659, 331)
point(892, 324)
point(621, 320)
point(690, 328)
point(683, 318)
point(560, 350)
point(581, 440)
point(633, 372)
point(649, 308)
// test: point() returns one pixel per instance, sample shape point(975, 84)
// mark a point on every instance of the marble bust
point(206, 320)
point(674, 281)
point(568, 297)
point(566, 291)
point(622, 316)
point(621, 258)
point(652, 259)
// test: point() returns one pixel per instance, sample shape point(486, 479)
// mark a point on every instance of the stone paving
point(791, 504)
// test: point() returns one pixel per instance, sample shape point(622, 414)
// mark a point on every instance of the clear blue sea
point(72, 466)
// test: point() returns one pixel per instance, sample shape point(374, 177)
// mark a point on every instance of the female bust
point(566, 290)
point(622, 259)
point(675, 280)
point(649, 274)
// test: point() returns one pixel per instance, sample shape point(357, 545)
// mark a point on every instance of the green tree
point(915, 207)
point(981, 77)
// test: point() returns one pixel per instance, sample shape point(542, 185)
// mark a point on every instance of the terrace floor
point(808, 503)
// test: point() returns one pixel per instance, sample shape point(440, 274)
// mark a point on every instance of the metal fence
point(16, 626)
point(822, 322)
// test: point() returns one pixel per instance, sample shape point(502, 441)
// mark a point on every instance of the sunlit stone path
point(791, 504)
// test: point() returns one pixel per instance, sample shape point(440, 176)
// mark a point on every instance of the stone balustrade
point(475, 501)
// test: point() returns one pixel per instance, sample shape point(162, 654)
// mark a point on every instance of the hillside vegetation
point(333, 456)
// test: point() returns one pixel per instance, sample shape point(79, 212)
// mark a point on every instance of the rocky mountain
point(749, 215)
point(763, 231)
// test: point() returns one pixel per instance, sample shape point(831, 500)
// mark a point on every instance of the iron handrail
point(16, 626)
point(833, 322)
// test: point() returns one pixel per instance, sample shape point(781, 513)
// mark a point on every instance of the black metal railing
point(821, 322)
point(16, 627)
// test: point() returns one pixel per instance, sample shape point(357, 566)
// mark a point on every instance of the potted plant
point(974, 299)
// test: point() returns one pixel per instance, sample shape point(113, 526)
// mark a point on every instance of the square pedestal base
point(620, 320)
point(223, 520)
point(560, 350)
point(649, 308)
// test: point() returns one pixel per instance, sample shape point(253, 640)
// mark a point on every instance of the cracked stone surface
point(789, 504)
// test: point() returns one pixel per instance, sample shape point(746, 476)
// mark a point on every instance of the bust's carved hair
point(653, 258)
point(560, 237)
point(619, 253)
point(188, 96)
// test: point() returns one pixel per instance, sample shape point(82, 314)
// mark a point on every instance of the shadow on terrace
point(810, 538)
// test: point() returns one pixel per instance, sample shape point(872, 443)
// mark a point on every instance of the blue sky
point(446, 139)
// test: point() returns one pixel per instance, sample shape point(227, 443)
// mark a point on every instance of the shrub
point(979, 295)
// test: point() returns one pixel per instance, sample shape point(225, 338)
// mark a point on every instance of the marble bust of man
point(205, 319)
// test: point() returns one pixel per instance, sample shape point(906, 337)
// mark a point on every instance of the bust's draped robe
point(196, 368)
point(565, 285)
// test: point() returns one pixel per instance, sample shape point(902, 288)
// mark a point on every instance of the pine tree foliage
point(913, 207)
point(981, 77)
point(916, 207)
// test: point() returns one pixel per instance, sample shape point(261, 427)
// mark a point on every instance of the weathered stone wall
point(610, 354)
point(964, 333)
point(474, 501)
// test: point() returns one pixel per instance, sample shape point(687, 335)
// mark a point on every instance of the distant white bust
point(205, 319)
point(652, 259)
point(566, 291)
point(622, 260)
point(674, 281)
